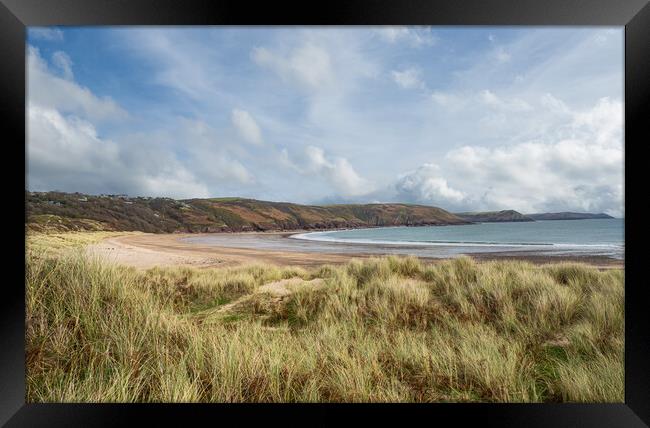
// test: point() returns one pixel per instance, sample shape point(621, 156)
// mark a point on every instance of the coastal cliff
point(75, 211)
point(494, 216)
point(568, 216)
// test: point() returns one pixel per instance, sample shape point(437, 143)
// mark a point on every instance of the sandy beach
point(148, 250)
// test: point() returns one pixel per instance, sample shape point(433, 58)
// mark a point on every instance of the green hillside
point(75, 211)
point(494, 216)
point(568, 216)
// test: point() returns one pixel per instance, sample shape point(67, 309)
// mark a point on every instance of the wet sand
point(232, 249)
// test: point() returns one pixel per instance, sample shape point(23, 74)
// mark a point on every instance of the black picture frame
point(16, 15)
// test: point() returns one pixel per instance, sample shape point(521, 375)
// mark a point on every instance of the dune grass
point(55, 243)
point(385, 329)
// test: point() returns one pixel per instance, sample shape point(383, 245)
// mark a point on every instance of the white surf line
point(318, 237)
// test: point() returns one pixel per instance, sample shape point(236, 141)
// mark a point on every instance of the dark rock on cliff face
point(75, 211)
point(494, 216)
point(567, 216)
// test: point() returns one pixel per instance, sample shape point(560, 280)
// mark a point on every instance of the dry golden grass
point(384, 329)
point(56, 243)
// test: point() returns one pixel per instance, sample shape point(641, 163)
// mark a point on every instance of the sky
point(464, 118)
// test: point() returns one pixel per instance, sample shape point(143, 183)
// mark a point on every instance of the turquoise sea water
point(561, 237)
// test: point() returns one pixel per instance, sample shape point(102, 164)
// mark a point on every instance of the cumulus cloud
point(59, 142)
point(337, 170)
point(536, 176)
point(579, 168)
point(46, 89)
point(340, 175)
point(493, 133)
point(409, 78)
point(426, 184)
point(246, 126)
point(604, 121)
point(66, 153)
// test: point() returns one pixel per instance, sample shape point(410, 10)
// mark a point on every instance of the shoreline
point(148, 250)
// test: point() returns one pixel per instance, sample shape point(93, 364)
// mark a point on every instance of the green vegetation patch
point(75, 211)
point(388, 329)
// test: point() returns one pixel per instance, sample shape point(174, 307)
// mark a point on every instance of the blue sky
point(465, 118)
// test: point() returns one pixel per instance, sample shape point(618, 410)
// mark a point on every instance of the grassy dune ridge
point(383, 329)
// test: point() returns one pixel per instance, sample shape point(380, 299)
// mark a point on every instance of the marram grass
point(380, 330)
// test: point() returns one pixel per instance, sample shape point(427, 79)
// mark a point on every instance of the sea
point(575, 238)
point(589, 237)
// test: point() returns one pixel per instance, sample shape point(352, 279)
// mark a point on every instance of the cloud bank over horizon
point(466, 119)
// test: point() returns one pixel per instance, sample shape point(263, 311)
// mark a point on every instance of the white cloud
point(553, 104)
point(409, 78)
point(338, 171)
point(177, 61)
point(497, 130)
point(326, 74)
point(246, 126)
point(534, 177)
point(46, 89)
point(476, 102)
point(60, 142)
point(605, 120)
point(46, 33)
point(426, 184)
point(489, 98)
point(578, 167)
point(449, 101)
point(210, 157)
point(64, 63)
point(65, 150)
point(414, 36)
point(515, 104)
point(308, 64)
point(66, 153)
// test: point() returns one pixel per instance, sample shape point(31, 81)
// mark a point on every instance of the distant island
point(61, 211)
point(567, 216)
point(494, 216)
